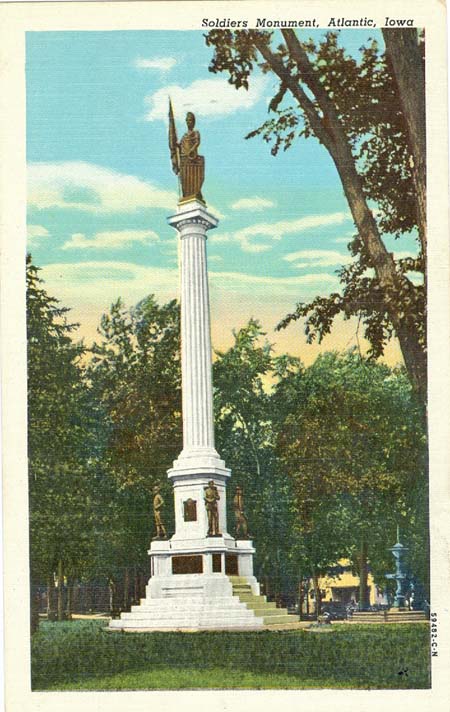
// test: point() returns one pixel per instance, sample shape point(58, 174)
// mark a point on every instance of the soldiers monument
point(202, 577)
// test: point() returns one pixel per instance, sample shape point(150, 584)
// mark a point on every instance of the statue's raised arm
point(185, 159)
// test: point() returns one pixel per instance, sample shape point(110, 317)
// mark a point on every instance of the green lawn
point(79, 655)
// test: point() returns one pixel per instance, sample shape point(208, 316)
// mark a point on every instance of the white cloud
point(113, 239)
point(316, 258)
point(92, 280)
point(241, 279)
point(221, 237)
point(89, 288)
point(91, 188)
point(206, 97)
point(35, 233)
point(163, 64)
point(255, 204)
point(277, 230)
point(343, 240)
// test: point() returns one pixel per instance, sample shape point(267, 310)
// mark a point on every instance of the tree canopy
point(356, 109)
point(351, 438)
point(330, 457)
point(63, 442)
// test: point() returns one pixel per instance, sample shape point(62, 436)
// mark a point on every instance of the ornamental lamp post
point(400, 576)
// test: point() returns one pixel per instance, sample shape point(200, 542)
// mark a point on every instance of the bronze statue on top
point(186, 163)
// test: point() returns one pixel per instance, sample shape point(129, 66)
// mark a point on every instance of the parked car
point(335, 610)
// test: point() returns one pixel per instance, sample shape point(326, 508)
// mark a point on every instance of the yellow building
point(341, 585)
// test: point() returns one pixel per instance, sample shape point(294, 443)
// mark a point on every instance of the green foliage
point(135, 378)
point(327, 455)
point(351, 105)
point(62, 437)
point(72, 655)
point(351, 436)
point(246, 439)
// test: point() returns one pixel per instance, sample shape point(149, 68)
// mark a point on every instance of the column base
point(201, 462)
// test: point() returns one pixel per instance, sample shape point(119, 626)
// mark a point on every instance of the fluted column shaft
point(192, 224)
point(198, 423)
point(198, 463)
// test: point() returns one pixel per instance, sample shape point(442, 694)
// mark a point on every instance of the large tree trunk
point(267, 587)
point(301, 598)
point(60, 605)
point(51, 608)
point(126, 589)
point(405, 56)
point(34, 609)
point(114, 607)
point(317, 595)
point(329, 131)
point(69, 599)
point(413, 352)
point(363, 576)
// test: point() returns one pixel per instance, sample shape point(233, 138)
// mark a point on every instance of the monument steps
point(282, 619)
point(189, 628)
point(259, 605)
point(253, 598)
point(177, 621)
point(181, 613)
point(187, 619)
point(169, 604)
point(266, 612)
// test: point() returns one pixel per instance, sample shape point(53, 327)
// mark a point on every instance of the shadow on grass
point(80, 655)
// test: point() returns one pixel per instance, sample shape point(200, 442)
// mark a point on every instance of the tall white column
point(198, 424)
point(198, 462)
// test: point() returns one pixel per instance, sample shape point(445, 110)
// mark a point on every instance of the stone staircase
point(183, 613)
point(391, 616)
point(189, 602)
point(260, 606)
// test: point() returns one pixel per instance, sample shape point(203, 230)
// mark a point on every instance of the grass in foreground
point(80, 655)
point(191, 679)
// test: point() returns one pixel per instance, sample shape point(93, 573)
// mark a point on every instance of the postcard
point(225, 354)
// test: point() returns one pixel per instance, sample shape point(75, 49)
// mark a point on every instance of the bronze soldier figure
point(241, 519)
point(211, 499)
point(157, 505)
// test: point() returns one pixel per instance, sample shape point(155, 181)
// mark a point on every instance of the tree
point(355, 112)
point(405, 55)
point(61, 442)
point(246, 439)
point(135, 378)
point(351, 438)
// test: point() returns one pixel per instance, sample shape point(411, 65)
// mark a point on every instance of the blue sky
point(101, 186)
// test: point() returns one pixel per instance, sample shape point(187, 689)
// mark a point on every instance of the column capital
point(192, 213)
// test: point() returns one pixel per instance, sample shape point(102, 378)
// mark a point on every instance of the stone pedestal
point(190, 586)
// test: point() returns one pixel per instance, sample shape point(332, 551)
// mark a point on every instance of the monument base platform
point(190, 601)
point(202, 602)
point(181, 556)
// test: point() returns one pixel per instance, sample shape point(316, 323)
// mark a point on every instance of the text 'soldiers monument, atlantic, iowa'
point(202, 577)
